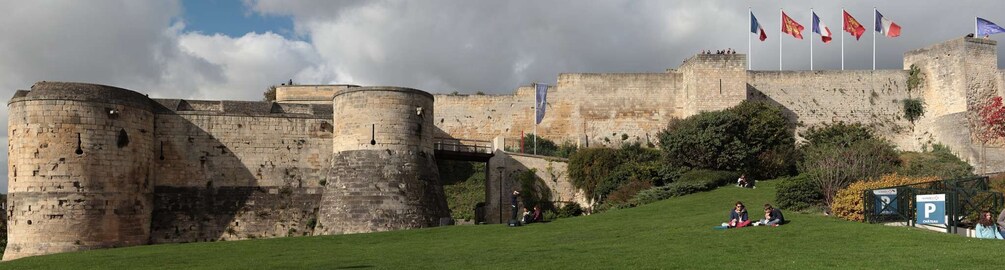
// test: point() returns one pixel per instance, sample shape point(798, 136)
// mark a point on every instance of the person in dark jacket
point(513, 203)
point(738, 216)
point(772, 217)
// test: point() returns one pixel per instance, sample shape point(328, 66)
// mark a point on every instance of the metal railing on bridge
point(462, 145)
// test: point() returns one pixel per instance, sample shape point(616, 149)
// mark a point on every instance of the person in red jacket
point(537, 214)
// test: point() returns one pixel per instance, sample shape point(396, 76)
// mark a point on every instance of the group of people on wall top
point(738, 217)
point(989, 228)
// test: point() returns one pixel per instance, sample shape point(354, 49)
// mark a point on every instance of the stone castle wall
point(237, 170)
point(156, 171)
point(383, 175)
point(812, 98)
point(80, 169)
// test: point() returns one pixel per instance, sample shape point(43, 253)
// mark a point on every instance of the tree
point(991, 126)
point(735, 139)
point(270, 94)
point(833, 166)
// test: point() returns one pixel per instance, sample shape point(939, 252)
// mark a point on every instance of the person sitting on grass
point(742, 181)
point(738, 216)
point(526, 216)
point(986, 227)
point(772, 217)
point(537, 216)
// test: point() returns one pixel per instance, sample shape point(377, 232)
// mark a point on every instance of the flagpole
point(975, 27)
point(844, 22)
point(874, 13)
point(750, 25)
point(536, 103)
point(780, 22)
point(812, 24)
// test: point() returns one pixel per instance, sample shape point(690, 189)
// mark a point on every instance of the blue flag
point(985, 27)
point(541, 100)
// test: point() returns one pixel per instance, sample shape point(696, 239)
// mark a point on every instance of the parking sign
point(931, 209)
point(886, 201)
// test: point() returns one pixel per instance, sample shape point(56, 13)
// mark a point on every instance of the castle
point(94, 166)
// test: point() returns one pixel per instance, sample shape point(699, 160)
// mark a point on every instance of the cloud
point(435, 45)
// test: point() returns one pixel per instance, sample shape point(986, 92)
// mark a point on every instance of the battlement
point(317, 94)
point(715, 61)
point(243, 108)
point(179, 170)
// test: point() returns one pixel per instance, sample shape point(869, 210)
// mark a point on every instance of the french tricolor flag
point(887, 27)
point(756, 28)
point(821, 28)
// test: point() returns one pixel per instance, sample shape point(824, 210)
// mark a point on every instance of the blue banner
point(541, 100)
point(985, 27)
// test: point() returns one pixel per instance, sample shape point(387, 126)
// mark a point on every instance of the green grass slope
point(675, 233)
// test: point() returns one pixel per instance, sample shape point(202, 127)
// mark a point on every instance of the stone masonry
point(95, 166)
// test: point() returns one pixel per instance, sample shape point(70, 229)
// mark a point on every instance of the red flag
point(852, 26)
point(791, 27)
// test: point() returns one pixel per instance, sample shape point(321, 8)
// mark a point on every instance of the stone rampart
point(383, 174)
point(80, 169)
point(238, 170)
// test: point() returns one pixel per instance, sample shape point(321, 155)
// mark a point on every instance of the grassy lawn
point(675, 233)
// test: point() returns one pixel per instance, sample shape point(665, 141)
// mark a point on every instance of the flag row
point(883, 26)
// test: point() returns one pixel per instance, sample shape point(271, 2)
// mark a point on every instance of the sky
point(234, 50)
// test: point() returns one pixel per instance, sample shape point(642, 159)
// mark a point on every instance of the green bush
point(833, 167)
point(939, 162)
point(570, 210)
point(690, 182)
point(913, 109)
point(798, 193)
point(839, 134)
point(732, 139)
point(545, 147)
point(709, 177)
point(589, 168)
point(625, 192)
point(463, 186)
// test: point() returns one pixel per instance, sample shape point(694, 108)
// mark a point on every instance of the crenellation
point(94, 166)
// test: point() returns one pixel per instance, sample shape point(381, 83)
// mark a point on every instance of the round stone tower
point(383, 175)
point(79, 169)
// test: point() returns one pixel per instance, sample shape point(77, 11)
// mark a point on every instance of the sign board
point(931, 209)
point(886, 201)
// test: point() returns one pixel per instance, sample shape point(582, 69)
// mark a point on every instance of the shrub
point(668, 191)
point(913, 109)
point(588, 168)
point(566, 149)
point(996, 183)
point(690, 182)
point(848, 202)
point(626, 192)
point(939, 162)
point(731, 139)
point(570, 210)
point(839, 134)
point(709, 177)
point(833, 167)
point(463, 186)
point(545, 147)
point(798, 193)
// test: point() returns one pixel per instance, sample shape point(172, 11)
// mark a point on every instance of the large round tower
point(383, 175)
point(79, 169)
